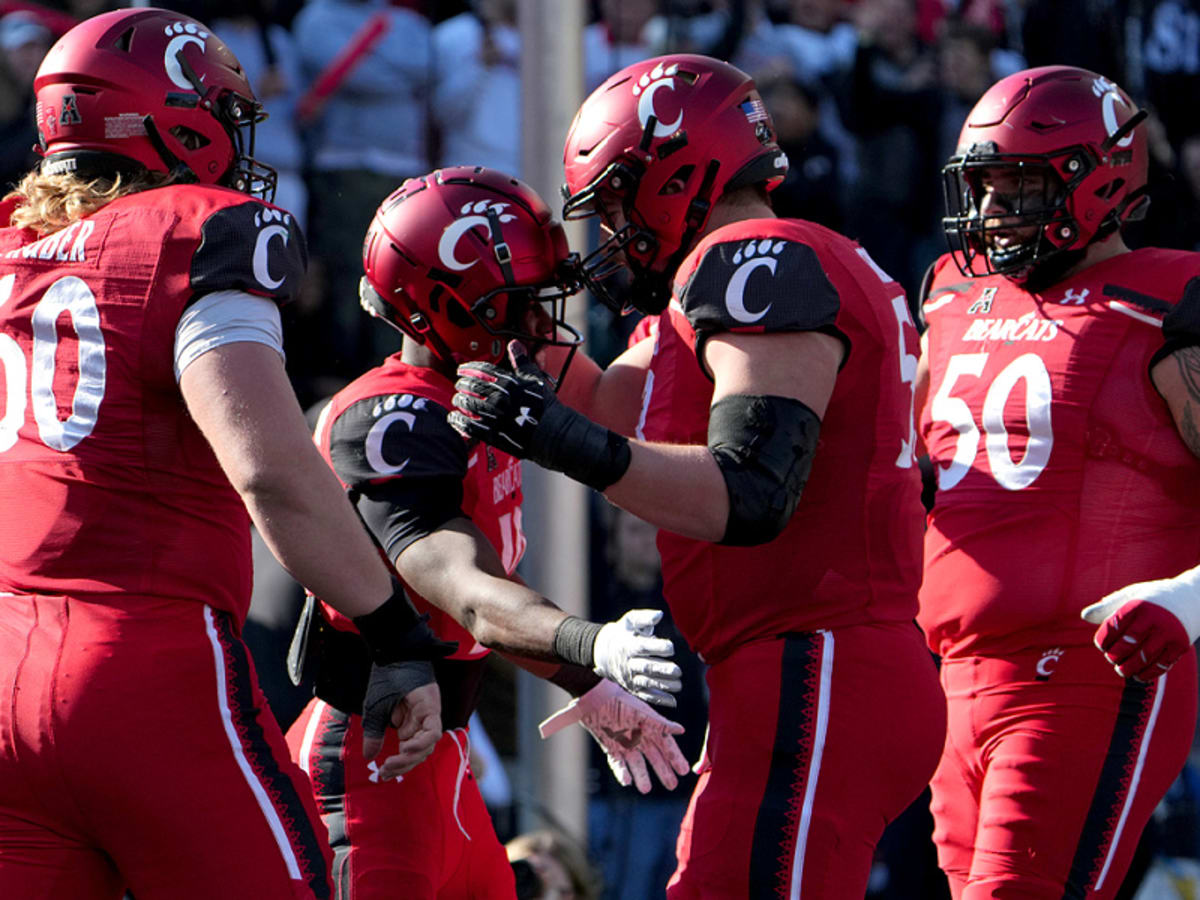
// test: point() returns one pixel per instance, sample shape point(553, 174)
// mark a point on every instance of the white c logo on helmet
point(184, 33)
point(262, 271)
point(735, 291)
point(1109, 97)
point(644, 90)
point(456, 229)
point(374, 442)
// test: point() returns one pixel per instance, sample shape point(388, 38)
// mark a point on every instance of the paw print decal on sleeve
point(760, 284)
point(754, 255)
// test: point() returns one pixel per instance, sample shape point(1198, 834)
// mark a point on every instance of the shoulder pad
point(250, 247)
point(395, 436)
point(767, 284)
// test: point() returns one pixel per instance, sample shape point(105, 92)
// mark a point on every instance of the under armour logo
point(1077, 298)
point(374, 776)
point(525, 418)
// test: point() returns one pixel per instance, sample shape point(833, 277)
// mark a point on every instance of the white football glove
point(630, 733)
point(628, 652)
point(1146, 627)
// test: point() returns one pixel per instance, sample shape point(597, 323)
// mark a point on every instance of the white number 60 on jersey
point(72, 296)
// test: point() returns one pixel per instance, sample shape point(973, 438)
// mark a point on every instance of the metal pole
point(551, 775)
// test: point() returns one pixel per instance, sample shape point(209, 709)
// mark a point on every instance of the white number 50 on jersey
point(72, 296)
point(953, 410)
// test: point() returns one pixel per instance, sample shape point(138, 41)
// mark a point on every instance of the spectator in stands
point(890, 102)
point(267, 52)
point(812, 189)
point(367, 66)
point(561, 869)
point(477, 93)
point(24, 40)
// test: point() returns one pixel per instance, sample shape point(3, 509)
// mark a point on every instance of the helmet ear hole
point(678, 181)
point(190, 138)
point(458, 314)
point(1106, 191)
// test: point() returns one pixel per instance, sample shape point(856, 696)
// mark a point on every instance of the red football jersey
point(1061, 474)
point(389, 425)
point(851, 552)
point(106, 484)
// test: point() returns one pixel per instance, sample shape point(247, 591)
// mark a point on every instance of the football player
point(767, 430)
point(146, 411)
point(1058, 406)
point(461, 261)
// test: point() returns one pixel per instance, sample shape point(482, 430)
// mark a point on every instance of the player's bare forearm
point(678, 488)
point(1178, 380)
point(611, 397)
point(240, 397)
point(457, 570)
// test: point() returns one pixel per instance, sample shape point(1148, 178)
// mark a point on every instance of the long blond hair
point(47, 203)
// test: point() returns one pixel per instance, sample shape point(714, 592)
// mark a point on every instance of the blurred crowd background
point(868, 97)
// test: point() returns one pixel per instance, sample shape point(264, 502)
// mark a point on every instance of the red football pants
point(1053, 765)
point(136, 751)
point(816, 741)
point(426, 836)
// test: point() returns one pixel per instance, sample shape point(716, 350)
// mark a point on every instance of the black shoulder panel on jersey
point(392, 436)
point(250, 247)
point(767, 284)
point(1181, 324)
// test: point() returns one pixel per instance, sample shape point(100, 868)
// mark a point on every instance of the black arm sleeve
point(404, 510)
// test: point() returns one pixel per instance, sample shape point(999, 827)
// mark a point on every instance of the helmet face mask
point(649, 152)
point(464, 260)
point(1001, 209)
point(149, 90)
point(1050, 161)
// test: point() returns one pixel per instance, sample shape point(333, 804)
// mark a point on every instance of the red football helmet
point(455, 258)
point(663, 139)
point(154, 87)
point(1065, 143)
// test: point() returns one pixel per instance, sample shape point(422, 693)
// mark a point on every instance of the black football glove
point(401, 644)
point(518, 413)
point(387, 686)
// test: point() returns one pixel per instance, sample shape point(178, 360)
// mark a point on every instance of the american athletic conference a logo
point(473, 214)
point(182, 34)
point(756, 255)
point(646, 87)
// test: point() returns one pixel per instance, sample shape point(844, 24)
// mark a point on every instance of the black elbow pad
point(764, 448)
